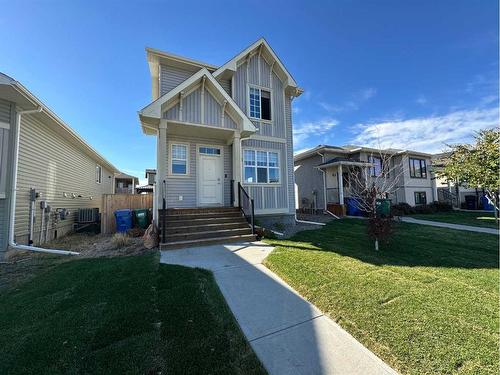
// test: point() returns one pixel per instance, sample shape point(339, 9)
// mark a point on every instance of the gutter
point(12, 220)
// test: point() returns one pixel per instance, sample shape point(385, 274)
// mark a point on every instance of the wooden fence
point(113, 202)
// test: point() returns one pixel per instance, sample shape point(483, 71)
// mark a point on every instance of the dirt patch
point(20, 266)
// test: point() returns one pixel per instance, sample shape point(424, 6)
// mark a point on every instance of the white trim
point(188, 157)
point(198, 174)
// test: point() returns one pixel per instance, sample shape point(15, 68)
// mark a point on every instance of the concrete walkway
point(449, 225)
point(288, 334)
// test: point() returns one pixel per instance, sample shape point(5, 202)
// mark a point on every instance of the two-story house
point(223, 132)
point(320, 175)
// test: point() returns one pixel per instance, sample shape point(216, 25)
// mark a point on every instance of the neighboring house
point(64, 172)
point(218, 124)
point(452, 192)
point(150, 175)
point(125, 184)
point(320, 175)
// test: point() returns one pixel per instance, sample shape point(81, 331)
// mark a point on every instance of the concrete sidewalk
point(288, 334)
point(469, 228)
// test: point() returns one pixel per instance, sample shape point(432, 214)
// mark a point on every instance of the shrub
point(402, 209)
point(121, 240)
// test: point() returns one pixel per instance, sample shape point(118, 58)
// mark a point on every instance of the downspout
point(12, 243)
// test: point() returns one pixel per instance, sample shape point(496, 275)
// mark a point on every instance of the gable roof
point(151, 114)
point(265, 49)
point(15, 92)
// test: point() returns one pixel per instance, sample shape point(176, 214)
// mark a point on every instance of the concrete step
point(207, 215)
point(209, 241)
point(203, 210)
point(204, 221)
point(205, 227)
point(208, 234)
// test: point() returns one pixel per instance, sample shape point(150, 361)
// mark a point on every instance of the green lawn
point(126, 315)
point(477, 219)
point(427, 303)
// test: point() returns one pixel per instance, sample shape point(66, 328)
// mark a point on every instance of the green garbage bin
point(141, 218)
point(383, 207)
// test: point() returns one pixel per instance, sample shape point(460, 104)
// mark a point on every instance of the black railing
point(245, 204)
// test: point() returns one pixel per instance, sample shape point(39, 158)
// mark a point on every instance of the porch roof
point(151, 115)
point(344, 161)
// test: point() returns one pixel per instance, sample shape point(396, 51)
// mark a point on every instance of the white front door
point(210, 178)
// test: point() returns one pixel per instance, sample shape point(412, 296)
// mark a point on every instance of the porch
point(336, 182)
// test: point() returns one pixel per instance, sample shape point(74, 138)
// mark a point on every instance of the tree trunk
point(376, 244)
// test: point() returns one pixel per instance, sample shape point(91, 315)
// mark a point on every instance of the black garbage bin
point(471, 202)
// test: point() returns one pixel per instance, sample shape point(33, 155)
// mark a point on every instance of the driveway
point(288, 334)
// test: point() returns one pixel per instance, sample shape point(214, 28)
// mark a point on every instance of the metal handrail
point(250, 217)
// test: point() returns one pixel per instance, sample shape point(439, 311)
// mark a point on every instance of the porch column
point(236, 165)
point(341, 184)
point(161, 164)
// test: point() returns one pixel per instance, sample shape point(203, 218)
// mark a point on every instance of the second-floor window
point(418, 169)
point(376, 168)
point(98, 174)
point(260, 103)
point(261, 167)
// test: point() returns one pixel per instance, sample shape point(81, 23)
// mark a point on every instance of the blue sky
point(409, 74)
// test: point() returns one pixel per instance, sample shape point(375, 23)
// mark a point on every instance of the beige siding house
point(320, 174)
point(64, 172)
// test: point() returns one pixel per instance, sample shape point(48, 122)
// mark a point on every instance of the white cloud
point(427, 134)
point(421, 100)
point(302, 132)
point(353, 104)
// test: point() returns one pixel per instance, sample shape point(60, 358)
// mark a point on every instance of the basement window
point(259, 103)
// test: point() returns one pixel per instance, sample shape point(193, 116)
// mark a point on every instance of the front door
point(210, 176)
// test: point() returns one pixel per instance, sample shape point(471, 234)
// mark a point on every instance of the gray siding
point(53, 165)
point(191, 111)
point(309, 179)
point(171, 77)
point(226, 85)
point(186, 186)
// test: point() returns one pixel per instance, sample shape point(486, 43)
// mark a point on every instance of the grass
point(427, 303)
point(477, 219)
point(126, 315)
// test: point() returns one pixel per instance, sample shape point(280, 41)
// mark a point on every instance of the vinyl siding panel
point(212, 110)
point(226, 85)
point(186, 186)
point(240, 87)
point(308, 179)
point(191, 107)
point(53, 166)
point(289, 147)
point(171, 77)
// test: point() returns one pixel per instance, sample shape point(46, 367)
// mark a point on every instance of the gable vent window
point(98, 174)
point(260, 103)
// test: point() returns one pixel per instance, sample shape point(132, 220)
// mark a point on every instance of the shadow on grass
point(410, 245)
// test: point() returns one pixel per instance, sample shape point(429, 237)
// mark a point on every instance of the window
point(420, 197)
point(418, 168)
point(261, 167)
point(376, 169)
point(98, 174)
point(209, 150)
point(179, 159)
point(260, 103)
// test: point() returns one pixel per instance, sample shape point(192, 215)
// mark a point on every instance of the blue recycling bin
point(487, 206)
point(352, 207)
point(123, 220)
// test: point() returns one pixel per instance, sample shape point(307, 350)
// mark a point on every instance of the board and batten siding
point(192, 111)
point(6, 122)
point(186, 186)
point(53, 165)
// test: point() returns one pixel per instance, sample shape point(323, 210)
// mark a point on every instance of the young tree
point(477, 165)
point(379, 181)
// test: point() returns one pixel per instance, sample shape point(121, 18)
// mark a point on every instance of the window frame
point(372, 169)
point(422, 163)
point(260, 88)
point(98, 174)
point(171, 159)
point(418, 193)
point(256, 166)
